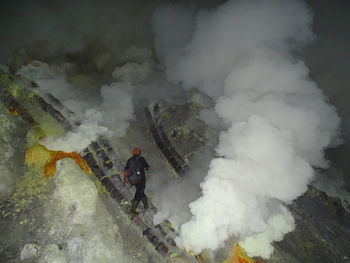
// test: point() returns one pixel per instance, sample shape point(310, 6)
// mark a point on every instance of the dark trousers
point(140, 190)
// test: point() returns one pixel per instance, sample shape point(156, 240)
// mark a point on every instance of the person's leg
point(140, 192)
point(144, 201)
point(133, 207)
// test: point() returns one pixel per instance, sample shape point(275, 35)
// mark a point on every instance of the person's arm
point(145, 165)
point(126, 173)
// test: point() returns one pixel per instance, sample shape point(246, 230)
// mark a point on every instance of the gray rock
point(29, 251)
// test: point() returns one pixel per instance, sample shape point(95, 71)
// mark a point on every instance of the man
point(134, 173)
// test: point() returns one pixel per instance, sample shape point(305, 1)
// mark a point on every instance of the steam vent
point(174, 131)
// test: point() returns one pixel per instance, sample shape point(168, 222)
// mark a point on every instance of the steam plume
point(278, 122)
point(109, 117)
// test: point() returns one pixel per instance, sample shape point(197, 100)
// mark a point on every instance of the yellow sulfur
point(238, 255)
point(41, 157)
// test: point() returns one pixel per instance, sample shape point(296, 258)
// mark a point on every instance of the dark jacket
point(141, 162)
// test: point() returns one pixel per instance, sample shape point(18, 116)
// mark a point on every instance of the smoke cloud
point(75, 141)
point(47, 29)
point(244, 55)
point(117, 106)
point(108, 115)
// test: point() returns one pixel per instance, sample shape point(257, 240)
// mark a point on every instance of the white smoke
point(278, 122)
point(117, 106)
point(107, 115)
point(78, 139)
point(132, 71)
point(76, 26)
point(53, 79)
point(278, 226)
point(138, 65)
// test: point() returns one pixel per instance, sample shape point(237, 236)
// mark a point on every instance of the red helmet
point(136, 151)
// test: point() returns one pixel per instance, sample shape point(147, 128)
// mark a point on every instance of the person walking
point(134, 173)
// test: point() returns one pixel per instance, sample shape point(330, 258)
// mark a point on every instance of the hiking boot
point(133, 207)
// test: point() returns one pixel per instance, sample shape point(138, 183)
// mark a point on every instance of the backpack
point(135, 171)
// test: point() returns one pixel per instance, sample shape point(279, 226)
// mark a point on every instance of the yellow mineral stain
point(238, 255)
point(13, 111)
point(41, 157)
